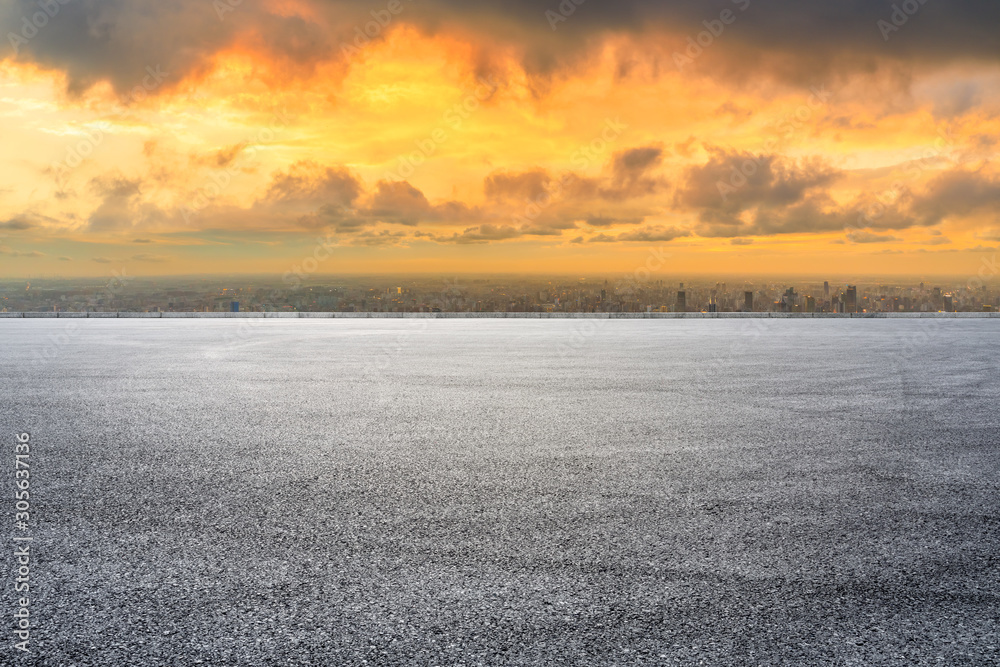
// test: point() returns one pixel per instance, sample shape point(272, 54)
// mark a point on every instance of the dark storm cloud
point(650, 234)
point(116, 40)
point(16, 224)
point(739, 194)
point(653, 233)
point(512, 185)
point(124, 41)
point(957, 193)
point(482, 234)
point(609, 221)
point(630, 173)
point(312, 196)
point(313, 184)
point(732, 181)
point(785, 196)
point(380, 238)
point(400, 201)
point(870, 237)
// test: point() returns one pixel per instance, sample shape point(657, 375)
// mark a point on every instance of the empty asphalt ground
point(490, 492)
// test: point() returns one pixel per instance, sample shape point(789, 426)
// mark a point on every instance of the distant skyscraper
point(234, 306)
point(810, 304)
point(748, 301)
point(949, 303)
point(826, 289)
point(789, 301)
point(681, 302)
point(851, 299)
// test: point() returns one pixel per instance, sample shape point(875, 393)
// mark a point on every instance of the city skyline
point(498, 294)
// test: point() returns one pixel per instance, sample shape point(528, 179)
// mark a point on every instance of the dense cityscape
point(494, 294)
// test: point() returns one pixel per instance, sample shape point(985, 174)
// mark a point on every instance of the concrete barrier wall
point(612, 316)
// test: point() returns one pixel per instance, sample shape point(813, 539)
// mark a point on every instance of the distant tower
point(748, 302)
point(851, 299)
point(789, 300)
point(826, 289)
point(681, 302)
point(234, 306)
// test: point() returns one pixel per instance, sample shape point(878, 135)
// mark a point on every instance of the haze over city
point(631, 293)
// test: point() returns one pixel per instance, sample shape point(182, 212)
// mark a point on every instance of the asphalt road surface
point(492, 492)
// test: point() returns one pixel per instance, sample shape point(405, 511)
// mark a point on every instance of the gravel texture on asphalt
point(487, 492)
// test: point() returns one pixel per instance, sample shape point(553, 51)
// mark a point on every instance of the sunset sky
point(782, 136)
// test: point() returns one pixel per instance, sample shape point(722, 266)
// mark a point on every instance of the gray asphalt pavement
point(493, 492)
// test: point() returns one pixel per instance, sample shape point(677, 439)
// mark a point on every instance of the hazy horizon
point(597, 275)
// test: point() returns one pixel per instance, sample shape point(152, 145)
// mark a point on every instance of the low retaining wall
point(603, 316)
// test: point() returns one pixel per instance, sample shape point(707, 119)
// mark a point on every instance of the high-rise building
point(851, 299)
point(748, 302)
point(681, 302)
point(810, 304)
point(949, 303)
point(826, 289)
point(789, 300)
point(234, 306)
